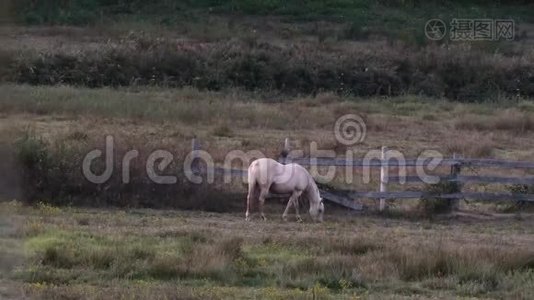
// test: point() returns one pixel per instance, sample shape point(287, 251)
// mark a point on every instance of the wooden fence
point(347, 197)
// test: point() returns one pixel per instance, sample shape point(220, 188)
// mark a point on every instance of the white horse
point(267, 175)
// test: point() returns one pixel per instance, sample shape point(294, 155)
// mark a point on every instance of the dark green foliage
point(88, 11)
point(521, 189)
point(430, 203)
point(301, 69)
point(385, 13)
point(52, 173)
point(32, 155)
point(356, 30)
point(75, 12)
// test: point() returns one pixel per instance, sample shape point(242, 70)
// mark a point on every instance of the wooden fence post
point(285, 152)
point(383, 177)
point(456, 168)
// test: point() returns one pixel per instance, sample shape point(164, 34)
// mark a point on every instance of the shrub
point(430, 203)
point(520, 189)
point(356, 30)
point(74, 12)
point(34, 159)
point(52, 175)
point(222, 131)
point(298, 69)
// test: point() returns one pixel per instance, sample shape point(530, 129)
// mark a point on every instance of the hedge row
point(51, 173)
point(454, 73)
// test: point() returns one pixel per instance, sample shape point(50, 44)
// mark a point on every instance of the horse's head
point(317, 210)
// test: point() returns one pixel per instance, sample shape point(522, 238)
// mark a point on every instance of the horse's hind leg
point(251, 196)
point(247, 212)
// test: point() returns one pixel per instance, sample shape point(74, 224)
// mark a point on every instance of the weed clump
point(520, 204)
point(431, 203)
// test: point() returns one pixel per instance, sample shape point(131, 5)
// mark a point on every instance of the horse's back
point(261, 164)
point(281, 178)
point(263, 170)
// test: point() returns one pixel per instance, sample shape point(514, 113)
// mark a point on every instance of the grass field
point(73, 120)
point(138, 254)
point(226, 119)
point(67, 252)
point(246, 75)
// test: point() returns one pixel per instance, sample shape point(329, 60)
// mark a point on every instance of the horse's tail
point(251, 176)
point(252, 183)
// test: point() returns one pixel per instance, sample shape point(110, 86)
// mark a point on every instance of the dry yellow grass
point(509, 120)
point(224, 121)
point(471, 145)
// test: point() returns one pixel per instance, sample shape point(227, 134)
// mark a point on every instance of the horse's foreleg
point(286, 211)
point(295, 197)
point(263, 195)
point(293, 200)
point(296, 204)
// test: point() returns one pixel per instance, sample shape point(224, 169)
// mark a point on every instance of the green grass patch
point(117, 257)
point(111, 256)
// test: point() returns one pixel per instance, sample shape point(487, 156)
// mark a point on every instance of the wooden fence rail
point(391, 162)
point(421, 179)
point(463, 195)
point(347, 198)
point(464, 179)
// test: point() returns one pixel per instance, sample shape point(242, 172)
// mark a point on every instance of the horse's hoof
point(299, 220)
point(284, 218)
point(263, 218)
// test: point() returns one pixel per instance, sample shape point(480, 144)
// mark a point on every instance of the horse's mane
point(311, 189)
